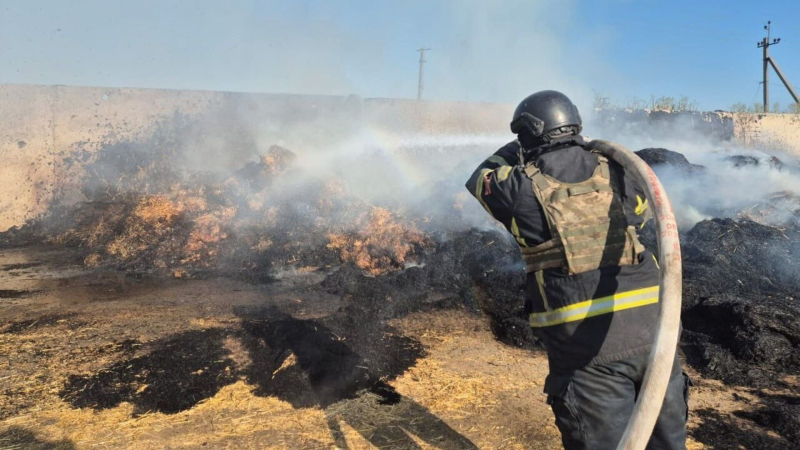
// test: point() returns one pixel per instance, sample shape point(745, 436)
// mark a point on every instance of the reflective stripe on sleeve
point(515, 232)
point(503, 173)
point(497, 159)
point(595, 307)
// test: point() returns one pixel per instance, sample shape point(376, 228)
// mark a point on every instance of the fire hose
point(659, 367)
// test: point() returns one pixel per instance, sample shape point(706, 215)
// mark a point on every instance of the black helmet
point(541, 113)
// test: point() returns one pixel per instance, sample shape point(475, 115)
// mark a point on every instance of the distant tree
point(636, 103)
point(794, 108)
point(739, 107)
point(757, 107)
point(685, 104)
point(776, 108)
point(662, 103)
point(601, 102)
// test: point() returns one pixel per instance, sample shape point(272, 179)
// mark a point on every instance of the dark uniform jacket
point(505, 191)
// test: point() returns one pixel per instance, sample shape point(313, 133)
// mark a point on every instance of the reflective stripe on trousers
point(595, 307)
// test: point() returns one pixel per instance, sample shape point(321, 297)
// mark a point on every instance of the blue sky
point(483, 50)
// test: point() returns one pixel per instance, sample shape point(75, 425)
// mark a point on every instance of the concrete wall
point(762, 131)
point(42, 127)
point(773, 131)
point(27, 147)
point(664, 124)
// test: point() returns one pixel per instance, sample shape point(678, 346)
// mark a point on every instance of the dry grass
point(439, 394)
point(233, 417)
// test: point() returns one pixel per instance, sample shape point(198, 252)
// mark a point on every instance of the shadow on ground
point(311, 363)
point(337, 364)
point(755, 428)
point(175, 375)
point(315, 363)
point(20, 438)
point(20, 326)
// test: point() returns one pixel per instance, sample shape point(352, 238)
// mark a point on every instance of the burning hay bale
point(382, 245)
point(141, 216)
point(148, 232)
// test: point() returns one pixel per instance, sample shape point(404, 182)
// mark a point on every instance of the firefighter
point(592, 289)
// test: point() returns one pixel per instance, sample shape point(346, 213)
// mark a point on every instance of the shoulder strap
point(541, 187)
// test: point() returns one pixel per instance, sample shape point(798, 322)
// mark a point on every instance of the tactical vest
point(587, 222)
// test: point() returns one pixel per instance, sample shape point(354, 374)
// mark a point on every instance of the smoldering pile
point(741, 274)
point(143, 216)
point(146, 215)
point(741, 278)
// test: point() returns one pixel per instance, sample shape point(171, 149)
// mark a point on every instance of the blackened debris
point(748, 160)
point(725, 433)
point(655, 157)
point(320, 362)
point(741, 316)
point(777, 412)
point(20, 326)
point(14, 293)
point(175, 375)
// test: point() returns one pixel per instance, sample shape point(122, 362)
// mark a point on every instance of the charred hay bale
point(753, 161)
point(485, 268)
point(741, 316)
point(741, 256)
point(477, 269)
point(487, 272)
point(655, 157)
point(725, 331)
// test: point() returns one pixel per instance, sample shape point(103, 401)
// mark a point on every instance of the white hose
point(659, 367)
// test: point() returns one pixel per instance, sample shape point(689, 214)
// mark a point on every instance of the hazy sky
point(484, 50)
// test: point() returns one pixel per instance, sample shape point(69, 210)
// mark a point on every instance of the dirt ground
point(96, 360)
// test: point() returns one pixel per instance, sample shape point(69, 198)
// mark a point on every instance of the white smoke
point(723, 189)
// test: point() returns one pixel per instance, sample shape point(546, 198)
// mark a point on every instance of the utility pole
point(765, 44)
point(422, 60)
